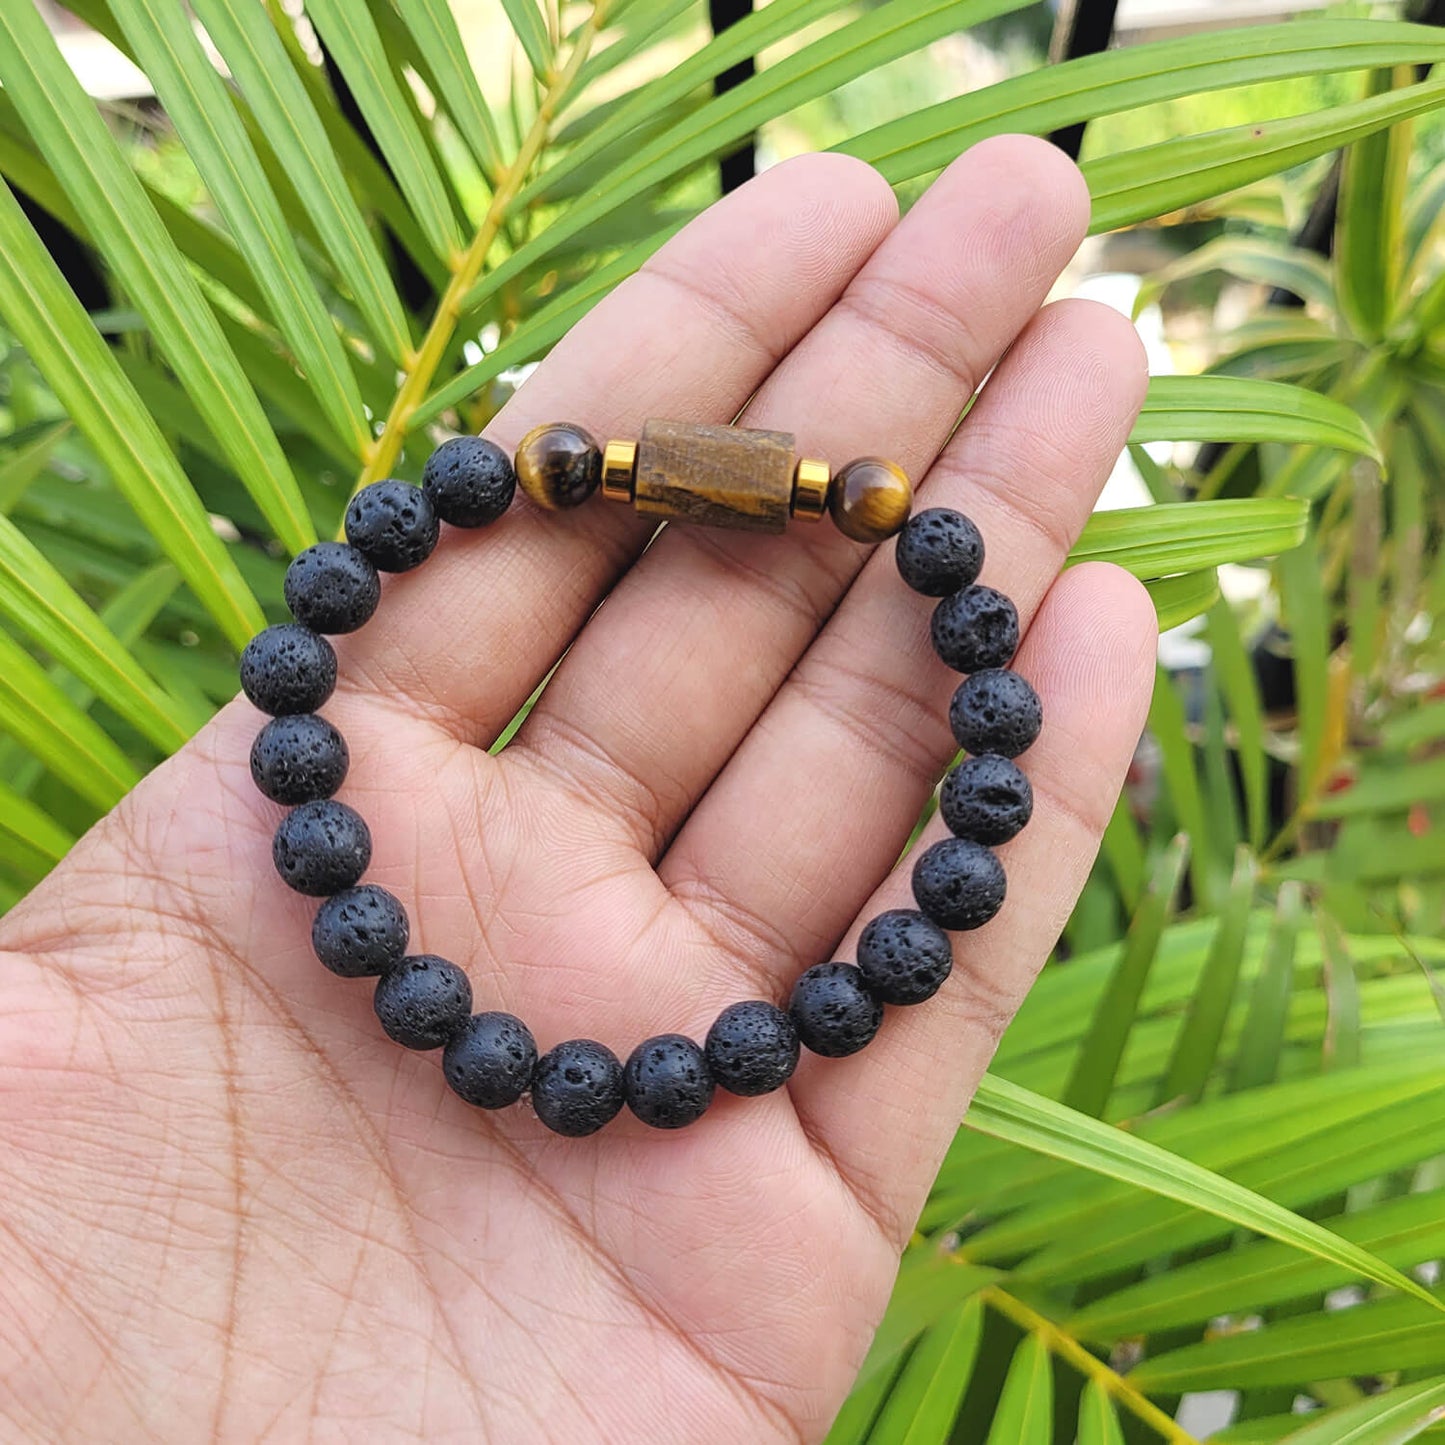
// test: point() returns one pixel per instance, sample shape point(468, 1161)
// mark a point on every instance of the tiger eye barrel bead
point(577, 1087)
point(959, 884)
point(469, 481)
point(975, 629)
point(995, 711)
point(904, 957)
point(986, 798)
point(288, 669)
point(321, 848)
point(939, 551)
point(667, 1083)
point(719, 476)
point(559, 465)
point(298, 759)
point(331, 587)
point(489, 1060)
point(752, 1048)
point(393, 525)
point(869, 499)
point(360, 932)
point(423, 1001)
point(834, 1011)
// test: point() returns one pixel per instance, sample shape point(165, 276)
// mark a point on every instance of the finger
point(850, 748)
point(885, 1116)
point(707, 625)
point(466, 638)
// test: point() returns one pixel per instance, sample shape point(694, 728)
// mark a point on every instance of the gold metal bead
point(619, 471)
point(810, 489)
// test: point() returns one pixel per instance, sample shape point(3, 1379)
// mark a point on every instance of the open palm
point(231, 1204)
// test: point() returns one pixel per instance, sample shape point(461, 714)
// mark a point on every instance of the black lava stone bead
point(489, 1060)
point(995, 712)
point(423, 1001)
point(666, 1082)
point(321, 848)
point(360, 932)
point(393, 525)
point(752, 1048)
point(903, 957)
point(331, 587)
point(834, 1011)
point(577, 1087)
point(939, 552)
point(986, 798)
point(288, 669)
point(298, 758)
point(975, 629)
point(958, 883)
point(469, 481)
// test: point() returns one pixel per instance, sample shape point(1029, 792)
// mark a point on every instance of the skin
point(233, 1207)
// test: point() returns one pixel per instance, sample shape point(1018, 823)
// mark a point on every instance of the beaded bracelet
point(727, 476)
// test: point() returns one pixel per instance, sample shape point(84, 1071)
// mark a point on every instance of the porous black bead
point(904, 957)
point(331, 587)
point(360, 932)
point(423, 1001)
point(995, 712)
point(470, 481)
point(489, 1060)
point(393, 525)
point(577, 1087)
point(321, 848)
point(939, 552)
point(986, 798)
point(298, 758)
point(975, 629)
point(288, 669)
point(959, 883)
point(666, 1082)
point(834, 1011)
point(752, 1048)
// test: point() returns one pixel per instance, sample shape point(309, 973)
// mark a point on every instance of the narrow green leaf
point(1169, 728)
point(1391, 1418)
point(1422, 724)
point(1233, 675)
point(1005, 1111)
point(1342, 990)
point(1257, 1058)
point(1197, 1047)
point(1249, 258)
point(531, 33)
point(1098, 1420)
point(1369, 228)
point(355, 44)
point(257, 59)
point(44, 315)
point(1164, 540)
point(1177, 599)
point(67, 128)
point(1025, 1414)
point(1153, 180)
point(35, 712)
point(924, 1401)
point(33, 826)
point(1123, 848)
point(21, 466)
point(38, 600)
point(1097, 1066)
point(1306, 615)
point(1236, 408)
point(1162, 487)
point(434, 27)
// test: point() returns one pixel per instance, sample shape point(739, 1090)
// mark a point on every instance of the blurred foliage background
point(254, 254)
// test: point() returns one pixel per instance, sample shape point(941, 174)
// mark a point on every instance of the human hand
point(232, 1205)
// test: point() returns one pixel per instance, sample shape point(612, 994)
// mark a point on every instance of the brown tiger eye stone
point(869, 499)
point(559, 465)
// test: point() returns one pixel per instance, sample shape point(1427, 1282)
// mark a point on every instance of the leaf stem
point(1088, 1364)
point(421, 366)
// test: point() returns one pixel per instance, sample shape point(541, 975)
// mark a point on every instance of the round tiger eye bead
point(559, 465)
point(869, 499)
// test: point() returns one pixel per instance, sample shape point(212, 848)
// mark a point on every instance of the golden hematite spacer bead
point(870, 499)
point(810, 489)
point(619, 471)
